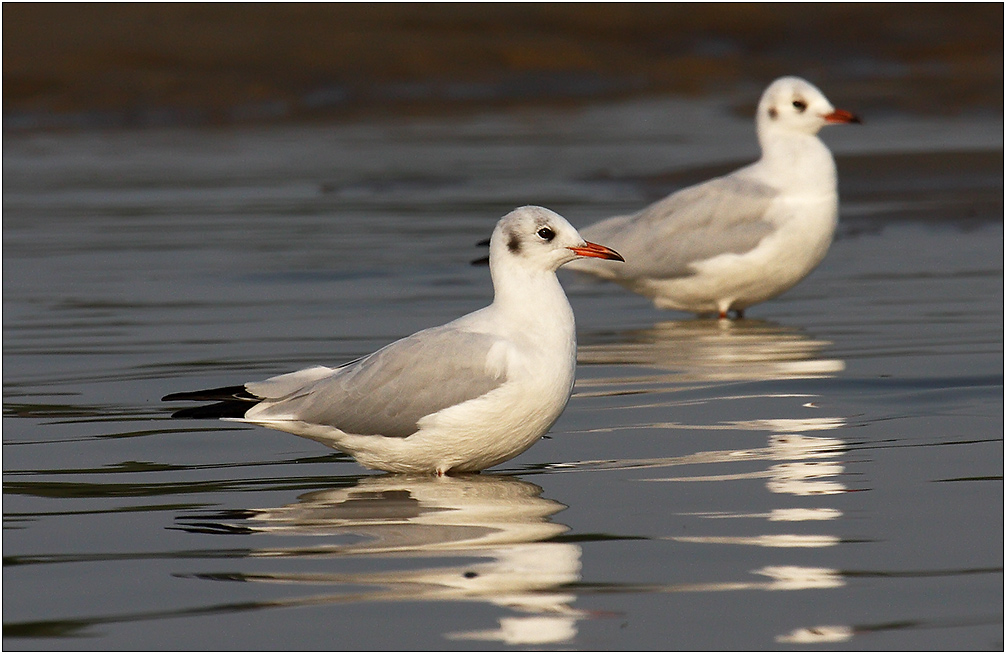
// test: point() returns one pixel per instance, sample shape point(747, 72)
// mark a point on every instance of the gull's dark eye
point(799, 105)
point(546, 233)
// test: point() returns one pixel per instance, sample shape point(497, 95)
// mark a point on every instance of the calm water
point(826, 474)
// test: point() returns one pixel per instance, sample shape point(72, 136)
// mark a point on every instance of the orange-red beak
point(842, 116)
point(594, 250)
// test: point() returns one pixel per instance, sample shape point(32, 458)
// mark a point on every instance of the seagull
point(456, 398)
point(737, 240)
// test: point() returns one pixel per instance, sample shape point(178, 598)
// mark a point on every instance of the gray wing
point(388, 392)
point(725, 214)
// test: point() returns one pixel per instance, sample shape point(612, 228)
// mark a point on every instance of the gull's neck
point(796, 161)
point(532, 302)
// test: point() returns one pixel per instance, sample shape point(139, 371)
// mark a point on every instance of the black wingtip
point(481, 261)
point(223, 394)
point(219, 410)
point(228, 402)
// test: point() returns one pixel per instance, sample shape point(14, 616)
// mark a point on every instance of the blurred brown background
point(144, 64)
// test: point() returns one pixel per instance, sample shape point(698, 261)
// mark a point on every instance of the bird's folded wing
point(723, 215)
point(388, 392)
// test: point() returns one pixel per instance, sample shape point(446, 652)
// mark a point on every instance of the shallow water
point(824, 474)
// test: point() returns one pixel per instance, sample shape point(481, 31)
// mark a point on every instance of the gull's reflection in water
point(712, 351)
point(797, 461)
point(716, 350)
point(500, 524)
point(802, 466)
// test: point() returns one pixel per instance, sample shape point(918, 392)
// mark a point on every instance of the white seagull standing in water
point(737, 240)
point(456, 398)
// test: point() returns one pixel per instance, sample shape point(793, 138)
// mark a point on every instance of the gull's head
point(535, 238)
point(794, 105)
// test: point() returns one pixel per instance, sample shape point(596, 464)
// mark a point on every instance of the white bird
point(456, 398)
point(737, 240)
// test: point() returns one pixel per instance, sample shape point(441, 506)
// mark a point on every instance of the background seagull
point(737, 240)
point(456, 398)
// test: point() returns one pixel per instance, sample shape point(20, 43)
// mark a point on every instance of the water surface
point(824, 474)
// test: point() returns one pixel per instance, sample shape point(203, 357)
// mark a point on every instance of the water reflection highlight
point(501, 522)
point(717, 350)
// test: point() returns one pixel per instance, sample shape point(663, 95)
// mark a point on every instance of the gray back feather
point(388, 392)
point(723, 215)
